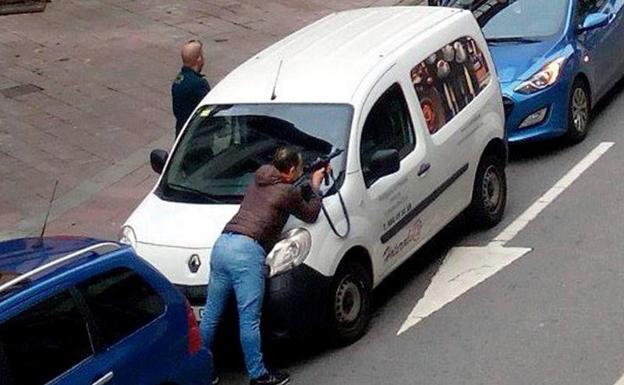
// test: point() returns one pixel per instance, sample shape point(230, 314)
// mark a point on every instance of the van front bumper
point(295, 305)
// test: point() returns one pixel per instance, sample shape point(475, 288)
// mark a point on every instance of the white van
point(410, 96)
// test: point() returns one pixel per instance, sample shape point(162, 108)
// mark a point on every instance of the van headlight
point(545, 77)
point(290, 251)
point(127, 236)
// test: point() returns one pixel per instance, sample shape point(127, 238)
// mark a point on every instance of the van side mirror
point(594, 21)
point(384, 162)
point(158, 158)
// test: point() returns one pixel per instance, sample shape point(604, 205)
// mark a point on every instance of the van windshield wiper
point(512, 39)
point(212, 198)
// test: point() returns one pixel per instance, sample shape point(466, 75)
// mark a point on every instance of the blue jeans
point(237, 264)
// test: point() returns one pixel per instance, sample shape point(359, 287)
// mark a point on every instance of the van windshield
point(223, 146)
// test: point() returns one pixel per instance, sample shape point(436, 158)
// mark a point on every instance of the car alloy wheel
point(579, 112)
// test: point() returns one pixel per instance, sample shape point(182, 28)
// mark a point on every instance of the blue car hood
point(518, 61)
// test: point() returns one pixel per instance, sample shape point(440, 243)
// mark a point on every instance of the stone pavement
point(84, 97)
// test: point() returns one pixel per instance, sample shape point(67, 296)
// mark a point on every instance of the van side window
point(448, 80)
point(121, 303)
point(44, 341)
point(388, 126)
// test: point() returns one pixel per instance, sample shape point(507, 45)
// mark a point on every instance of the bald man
point(189, 86)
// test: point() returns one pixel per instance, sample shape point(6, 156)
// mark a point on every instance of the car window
point(121, 303)
point(448, 80)
point(388, 126)
point(586, 7)
point(532, 19)
point(50, 337)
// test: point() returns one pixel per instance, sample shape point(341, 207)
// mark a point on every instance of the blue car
point(83, 311)
point(555, 60)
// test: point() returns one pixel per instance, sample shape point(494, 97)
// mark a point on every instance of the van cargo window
point(388, 126)
point(448, 80)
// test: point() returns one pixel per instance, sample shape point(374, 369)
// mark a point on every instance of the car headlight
point(127, 236)
point(545, 77)
point(290, 251)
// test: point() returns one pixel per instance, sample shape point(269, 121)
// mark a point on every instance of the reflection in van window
point(448, 80)
point(223, 146)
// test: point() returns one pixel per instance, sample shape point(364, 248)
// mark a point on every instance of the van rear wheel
point(489, 195)
point(350, 304)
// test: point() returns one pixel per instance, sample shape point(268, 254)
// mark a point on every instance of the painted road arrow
point(465, 267)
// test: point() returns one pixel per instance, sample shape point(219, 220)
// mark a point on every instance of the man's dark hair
point(286, 158)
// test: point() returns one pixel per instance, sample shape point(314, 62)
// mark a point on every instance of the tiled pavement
point(101, 71)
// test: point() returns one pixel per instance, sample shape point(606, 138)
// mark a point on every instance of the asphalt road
point(553, 316)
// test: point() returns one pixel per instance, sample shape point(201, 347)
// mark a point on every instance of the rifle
point(323, 162)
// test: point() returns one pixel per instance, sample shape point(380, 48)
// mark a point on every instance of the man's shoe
point(272, 378)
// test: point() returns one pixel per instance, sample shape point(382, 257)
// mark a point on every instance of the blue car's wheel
point(579, 108)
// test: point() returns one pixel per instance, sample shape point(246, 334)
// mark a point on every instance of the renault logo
point(194, 263)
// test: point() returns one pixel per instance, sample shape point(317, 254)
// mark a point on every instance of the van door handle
point(104, 379)
point(424, 168)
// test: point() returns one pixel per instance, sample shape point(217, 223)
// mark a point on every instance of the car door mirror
point(593, 21)
point(384, 162)
point(158, 158)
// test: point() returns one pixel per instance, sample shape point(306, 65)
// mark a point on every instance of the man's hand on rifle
point(317, 177)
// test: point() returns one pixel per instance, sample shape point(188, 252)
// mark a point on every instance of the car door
point(49, 342)
point(602, 46)
point(617, 9)
point(391, 199)
point(132, 345)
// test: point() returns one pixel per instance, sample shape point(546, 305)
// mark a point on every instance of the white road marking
point(542, 202)
point(620, 381)
point(465, 267)
point(462, 269)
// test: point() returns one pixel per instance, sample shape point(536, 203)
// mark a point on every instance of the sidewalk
point(84, 97)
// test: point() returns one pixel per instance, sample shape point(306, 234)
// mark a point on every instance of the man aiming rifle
point(238, 256)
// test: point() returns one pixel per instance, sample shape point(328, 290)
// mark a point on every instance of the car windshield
point(516, 19)
point(223, 146)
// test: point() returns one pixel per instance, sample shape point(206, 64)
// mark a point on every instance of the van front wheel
point(489, 194)
point(350, 301)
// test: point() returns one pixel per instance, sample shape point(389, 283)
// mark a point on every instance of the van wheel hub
point(348, 302)
point(491, 189)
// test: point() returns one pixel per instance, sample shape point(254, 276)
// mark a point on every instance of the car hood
point(515, 61)
point(176, 224)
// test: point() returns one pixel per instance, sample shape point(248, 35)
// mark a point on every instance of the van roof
point(326, 61)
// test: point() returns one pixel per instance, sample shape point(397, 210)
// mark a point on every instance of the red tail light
point(194, 336)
